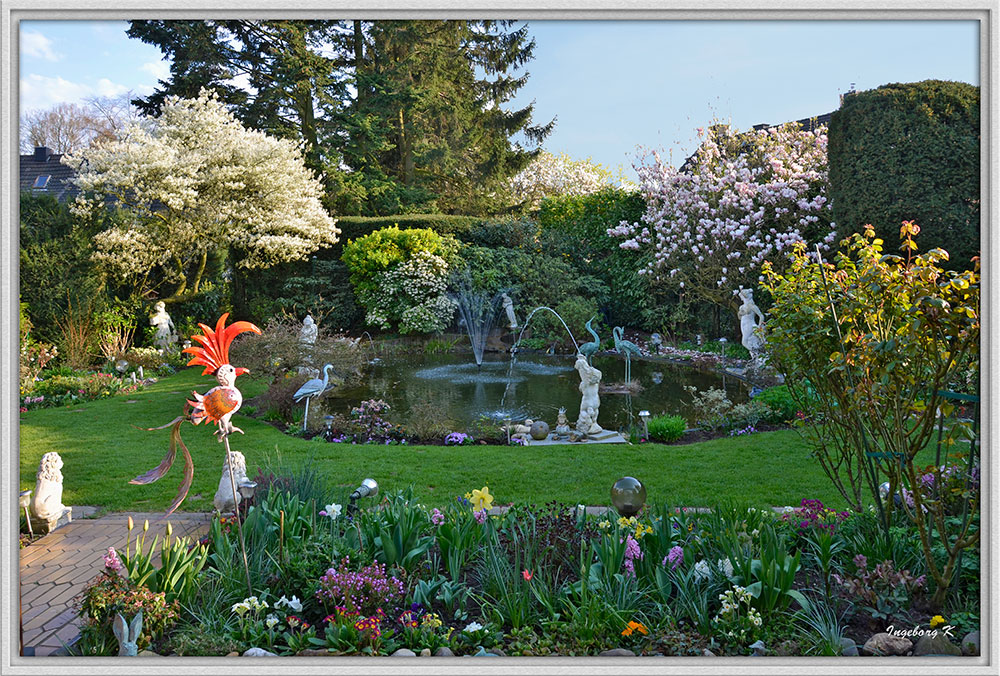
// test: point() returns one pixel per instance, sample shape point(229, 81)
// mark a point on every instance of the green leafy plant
point(878, 338)
point(666, 428)
point(111, 594)
point(181, 561)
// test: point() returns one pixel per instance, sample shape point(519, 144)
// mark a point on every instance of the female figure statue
point(166, 334)
point(749, 314)
point(508, 306)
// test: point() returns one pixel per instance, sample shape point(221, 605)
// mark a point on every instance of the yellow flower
point(468, 496)
point(481, 499)
point(604, 525)
point(936, 620)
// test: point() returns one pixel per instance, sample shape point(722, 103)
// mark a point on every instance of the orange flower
point(634, 626)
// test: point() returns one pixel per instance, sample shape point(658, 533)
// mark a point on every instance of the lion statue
point(224, 501)
point(47, 500)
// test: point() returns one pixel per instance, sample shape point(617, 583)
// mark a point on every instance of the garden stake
point(873, 479)
point(281, 538)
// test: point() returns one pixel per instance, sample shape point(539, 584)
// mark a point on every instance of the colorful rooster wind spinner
point(217, 405)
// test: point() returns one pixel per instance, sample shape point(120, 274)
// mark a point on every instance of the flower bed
point(466, 579)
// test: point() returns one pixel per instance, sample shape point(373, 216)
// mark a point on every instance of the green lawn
point(102, 449)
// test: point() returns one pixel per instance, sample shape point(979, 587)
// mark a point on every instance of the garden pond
point(536, 386)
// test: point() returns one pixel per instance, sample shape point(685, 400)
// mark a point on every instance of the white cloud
point(37, 45)
point(158, 69)
point(38, 92)
point(106, 87)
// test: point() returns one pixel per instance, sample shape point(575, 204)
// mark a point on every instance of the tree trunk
point(359, 63)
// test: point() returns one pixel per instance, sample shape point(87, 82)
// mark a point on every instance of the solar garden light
point(628, 495)
point(367, 488)
point(508, 421)
point(329, 424)
point(644, 415)
point(24, 500)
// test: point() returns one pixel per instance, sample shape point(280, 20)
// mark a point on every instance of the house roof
point(42, 163)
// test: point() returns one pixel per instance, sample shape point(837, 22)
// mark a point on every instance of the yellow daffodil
point(604, 525)
point(936, 620)
point(481, 499)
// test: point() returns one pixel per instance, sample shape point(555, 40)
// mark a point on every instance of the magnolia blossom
point(741, 199)
point(195, 180)
point(550, 175)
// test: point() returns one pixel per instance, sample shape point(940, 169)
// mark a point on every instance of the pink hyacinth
point(437, 518)
point(111, 560)
point(674, 557)
point(480, 516)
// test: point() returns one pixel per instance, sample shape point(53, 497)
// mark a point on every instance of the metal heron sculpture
point(627, 348)
point(310, 389)
point(588, 349)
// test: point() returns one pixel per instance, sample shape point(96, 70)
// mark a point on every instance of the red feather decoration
point(214, 350)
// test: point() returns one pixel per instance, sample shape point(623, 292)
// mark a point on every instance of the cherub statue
point(590, 402)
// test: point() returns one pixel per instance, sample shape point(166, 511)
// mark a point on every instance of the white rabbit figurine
point(128, 636)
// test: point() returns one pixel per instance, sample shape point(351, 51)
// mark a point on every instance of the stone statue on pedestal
point(590, 402)
point(508, 306)
point(750, 327)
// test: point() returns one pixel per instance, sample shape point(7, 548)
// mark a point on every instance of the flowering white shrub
point(743, 199)
point(550, 174)
point(412, 293)
point(196, 179)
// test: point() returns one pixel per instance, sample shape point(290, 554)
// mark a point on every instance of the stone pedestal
point(45, 526)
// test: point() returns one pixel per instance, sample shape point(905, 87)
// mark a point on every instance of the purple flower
point(457, 439)
point(437, 518)
point(480, 516)
point(632, 552)
point(675, 557)
point(861, 561)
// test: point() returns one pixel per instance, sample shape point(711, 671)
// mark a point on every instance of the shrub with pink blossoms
point(743, 198)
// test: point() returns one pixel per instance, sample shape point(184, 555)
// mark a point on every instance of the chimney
point(42, 153)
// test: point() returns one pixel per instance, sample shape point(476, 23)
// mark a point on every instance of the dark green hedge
point(909, 152)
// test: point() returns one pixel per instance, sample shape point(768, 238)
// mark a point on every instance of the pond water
point(535, 387)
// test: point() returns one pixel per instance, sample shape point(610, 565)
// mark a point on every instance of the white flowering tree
point(197, 180)
point(550, 175)
point(741, 199)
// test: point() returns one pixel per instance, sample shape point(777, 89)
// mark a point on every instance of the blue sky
point(613, 86)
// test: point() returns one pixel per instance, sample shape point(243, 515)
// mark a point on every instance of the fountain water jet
point(513, 349)
point(478, 310)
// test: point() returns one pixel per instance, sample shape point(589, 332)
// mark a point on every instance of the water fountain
point(477, 310)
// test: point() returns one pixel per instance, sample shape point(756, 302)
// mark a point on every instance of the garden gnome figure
point(508, 307)
point(166, 334)
point(749, 314)
point(590, 403)
point(562, 424)
point(47, 509)
point(224, 501)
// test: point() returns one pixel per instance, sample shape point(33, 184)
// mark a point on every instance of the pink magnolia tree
point(741, 199)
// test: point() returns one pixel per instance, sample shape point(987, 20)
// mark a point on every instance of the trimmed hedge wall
point(910, 152)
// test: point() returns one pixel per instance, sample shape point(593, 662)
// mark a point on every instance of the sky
point(615, 88)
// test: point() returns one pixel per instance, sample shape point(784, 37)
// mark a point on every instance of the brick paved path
point(56, 568)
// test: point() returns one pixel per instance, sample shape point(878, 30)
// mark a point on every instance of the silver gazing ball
point(628, 495)
point(883, 491)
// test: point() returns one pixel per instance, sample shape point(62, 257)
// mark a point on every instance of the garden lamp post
point(368, 487)
point(644, 416)
point(628, 495)
point(24, 501)
point(247, 489)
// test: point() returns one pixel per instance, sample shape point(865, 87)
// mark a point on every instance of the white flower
point(726, 566)
point(333, 511)
point(702, 571)
point(472, 627)
point(241, 608)
point(294, 604)
point(271, 621)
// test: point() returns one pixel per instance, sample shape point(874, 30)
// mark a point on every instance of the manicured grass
point(102, 449)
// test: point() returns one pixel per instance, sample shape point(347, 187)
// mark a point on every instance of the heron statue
point(627, 348)
point(588, 349)
point(310, 389)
